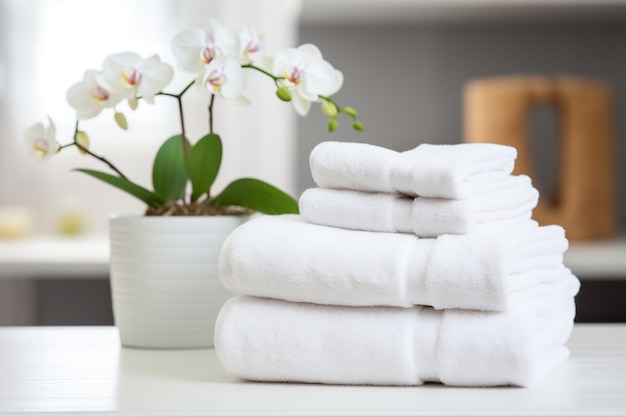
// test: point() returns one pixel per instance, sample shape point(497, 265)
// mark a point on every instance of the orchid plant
point(183, 172)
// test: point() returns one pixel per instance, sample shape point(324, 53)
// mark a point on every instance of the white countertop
point(83, 370)
point(54, 257)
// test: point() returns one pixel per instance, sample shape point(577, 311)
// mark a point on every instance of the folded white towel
point(287, 258)
point(439, 171)
point(423, 216)
point(272, 340)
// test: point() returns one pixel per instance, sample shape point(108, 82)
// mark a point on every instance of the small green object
point(333, 124)
point(120, 119)
point(358, 126)
point(133, 103)
point(350, 111)
point(82, 139)
point(284, 94)
point(329, 109)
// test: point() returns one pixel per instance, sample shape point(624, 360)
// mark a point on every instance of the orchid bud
point(329, 108)
point(120, 119)
point(82, 139)
point(283, 94)
point(333, 124)
point(358, 126)
point(133, 103)
point(350, 111)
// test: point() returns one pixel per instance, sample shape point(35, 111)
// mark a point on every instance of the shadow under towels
point(286, 258)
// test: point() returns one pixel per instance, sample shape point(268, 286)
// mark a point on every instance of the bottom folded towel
point(270, 340)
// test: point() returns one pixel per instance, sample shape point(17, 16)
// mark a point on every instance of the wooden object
point(496, 110)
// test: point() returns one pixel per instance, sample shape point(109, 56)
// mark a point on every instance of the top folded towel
point(440, 171)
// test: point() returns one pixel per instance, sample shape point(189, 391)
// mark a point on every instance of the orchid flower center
point(253, 47)
point(209, 53)
point(132, 76)
point(216, 79)
point(99, 93)
point(42, 146)
point(294, 75)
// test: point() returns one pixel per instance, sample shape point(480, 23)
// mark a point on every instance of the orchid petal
point(301, 105)
point(88, 97)
point(241, 101)
point(309, 51)
point(155, 79)
point(224, 77)
point(320, 78)
point(41, 141)
point(149, 62)
point(222, 37)
point(305, 94)
point(234, 85)
point(114, 66)
point(337, 84)
point(79, 98)
point(51, 131)
point(187, 46)
point(199, 81)
point(284, 60)
point(250, 46)
point(35, 131)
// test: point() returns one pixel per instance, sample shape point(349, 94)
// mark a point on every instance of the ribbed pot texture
point(164, 278)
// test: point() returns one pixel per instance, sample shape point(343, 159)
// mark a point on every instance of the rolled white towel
point(271, 340)
point(287, 258)
point(423, 216)
point(438, 171)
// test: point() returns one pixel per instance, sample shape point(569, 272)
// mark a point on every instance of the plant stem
point(88, 152)
point(182, 127)
point(211, 113)
point(261, 70)
point(179, 98)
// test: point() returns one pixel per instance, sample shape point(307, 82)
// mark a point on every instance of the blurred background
point(406, 65)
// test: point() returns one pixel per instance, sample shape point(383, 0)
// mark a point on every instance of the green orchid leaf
point(203, 164)
point(256, 195)
point(131, 188)
point(169, 174)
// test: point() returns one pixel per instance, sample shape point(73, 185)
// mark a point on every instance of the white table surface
point(82, 371)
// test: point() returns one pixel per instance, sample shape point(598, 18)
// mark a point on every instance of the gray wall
point(407, 81)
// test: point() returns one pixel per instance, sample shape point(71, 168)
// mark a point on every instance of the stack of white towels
point(403, 268)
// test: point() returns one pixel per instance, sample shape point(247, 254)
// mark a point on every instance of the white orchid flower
point(197, 47)
point(41, 140)
point(307, 75)
point(250, 45)
point(133, 76)
point(91, 95)
point(224, 78)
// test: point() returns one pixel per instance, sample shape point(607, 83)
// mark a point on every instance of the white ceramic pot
point(164, 278)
